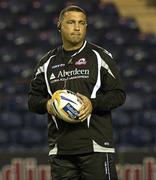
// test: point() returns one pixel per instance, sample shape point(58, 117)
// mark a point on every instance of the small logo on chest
point(52, 76)
point(58, 66)
point(81, 61)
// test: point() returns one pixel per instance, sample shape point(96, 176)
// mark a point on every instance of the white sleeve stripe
point(97, 85)
point(55, 121)
point(45, 74)
point(48, 86)
point(103, 64)
point(54, 150)
point(39, 70)
point(108, 53)
point(98, 82)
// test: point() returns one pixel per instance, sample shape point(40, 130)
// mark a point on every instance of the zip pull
point(70, 61)
point(65, 83)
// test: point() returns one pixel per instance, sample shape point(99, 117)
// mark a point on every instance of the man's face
point(73, 28)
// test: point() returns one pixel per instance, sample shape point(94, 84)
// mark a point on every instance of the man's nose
point(77, 26)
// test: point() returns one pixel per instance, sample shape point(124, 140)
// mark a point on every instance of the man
point(81, 151)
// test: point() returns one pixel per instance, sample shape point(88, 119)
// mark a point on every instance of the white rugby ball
point(67, 105)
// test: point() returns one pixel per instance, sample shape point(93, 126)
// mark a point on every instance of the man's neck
point(72, 47)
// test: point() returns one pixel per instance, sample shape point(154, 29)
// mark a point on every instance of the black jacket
point(92, 72)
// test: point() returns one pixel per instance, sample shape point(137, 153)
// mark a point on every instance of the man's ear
point(59, 26)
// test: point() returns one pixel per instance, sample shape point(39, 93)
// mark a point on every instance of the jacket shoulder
point(46, 56)
point(102, 51)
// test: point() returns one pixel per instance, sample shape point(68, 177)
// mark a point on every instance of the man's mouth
point(77, 34)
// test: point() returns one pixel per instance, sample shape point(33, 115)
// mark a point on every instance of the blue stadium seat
point(10, 120)
point(35, 120)
point(141, 85)
point(107, 9)
point(136, 136)
point(116, 136)
point(27, 137)
point(4, 138)
point(150, 102)
point(16, 6)
point(147, 119)
point(134, 101)
point(121, 119)
point(6, 21)
point(128, 24)
point(16, 103)
point(9, 52)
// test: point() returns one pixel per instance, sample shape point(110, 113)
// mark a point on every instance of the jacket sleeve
point(111, 94)
point(38, 94)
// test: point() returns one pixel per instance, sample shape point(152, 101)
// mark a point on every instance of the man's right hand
point(50, 108)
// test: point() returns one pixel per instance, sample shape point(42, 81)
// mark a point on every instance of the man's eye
point(83, 23)
point(69, 22)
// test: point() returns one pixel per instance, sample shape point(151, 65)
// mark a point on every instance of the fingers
point(86, 109)
point(50, 107)
point(84, 112)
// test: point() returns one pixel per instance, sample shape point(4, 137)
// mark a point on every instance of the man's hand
point(50, 108)
point(86, 109)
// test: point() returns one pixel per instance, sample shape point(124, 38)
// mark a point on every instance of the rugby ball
point(66, 105)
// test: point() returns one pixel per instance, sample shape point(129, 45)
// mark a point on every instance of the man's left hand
point(86, 109)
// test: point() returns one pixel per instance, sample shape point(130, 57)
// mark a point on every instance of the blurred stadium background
point(28, 31)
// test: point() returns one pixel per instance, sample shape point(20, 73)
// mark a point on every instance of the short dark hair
point(71, 8)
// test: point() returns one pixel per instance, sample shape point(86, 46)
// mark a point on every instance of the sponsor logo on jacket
point(72, 74)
